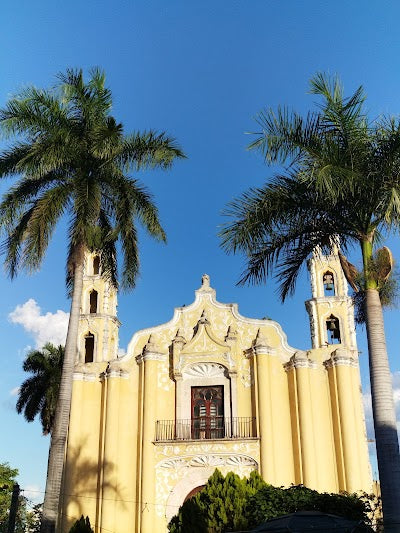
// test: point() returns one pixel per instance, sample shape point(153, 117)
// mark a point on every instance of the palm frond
point(20, 194)
point(48, 209)
point(149, 150)
point(69, 143)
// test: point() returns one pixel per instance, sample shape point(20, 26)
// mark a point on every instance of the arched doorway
point(186, 488)
point(193, 492)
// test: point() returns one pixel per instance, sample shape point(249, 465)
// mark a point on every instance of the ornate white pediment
point(204, 340)
point(204, 370)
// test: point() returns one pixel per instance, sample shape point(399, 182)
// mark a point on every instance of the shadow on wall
point(90, 488)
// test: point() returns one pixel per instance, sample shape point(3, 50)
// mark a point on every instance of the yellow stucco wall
point(308, 420)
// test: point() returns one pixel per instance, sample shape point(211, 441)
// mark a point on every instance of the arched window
point(89, 347)
point(93, 297)
point(96, 265)
point(333, 330)
point(329, 284)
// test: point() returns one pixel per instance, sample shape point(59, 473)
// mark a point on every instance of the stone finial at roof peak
point(205, 281)
point(205, 288)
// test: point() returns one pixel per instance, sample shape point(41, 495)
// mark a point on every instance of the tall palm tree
point(75, 160)
point(342, 179)
point(38, 394)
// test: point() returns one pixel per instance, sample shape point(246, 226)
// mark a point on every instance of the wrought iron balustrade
point(207, 427)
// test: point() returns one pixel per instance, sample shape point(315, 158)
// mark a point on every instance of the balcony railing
point(207, 427)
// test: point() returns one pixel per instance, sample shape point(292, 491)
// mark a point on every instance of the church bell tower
point(98, 327)
point(330, 309)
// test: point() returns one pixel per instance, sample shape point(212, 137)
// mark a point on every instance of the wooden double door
point(207, 420)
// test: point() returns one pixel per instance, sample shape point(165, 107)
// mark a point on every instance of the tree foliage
point(233, 504)
point(72, 157)
point(342, 178)
point(38, 394)
point(341, 183)
point(219, 506)
point(73, 160)
point(24, 521)
point(271, 502)
point(7, 479)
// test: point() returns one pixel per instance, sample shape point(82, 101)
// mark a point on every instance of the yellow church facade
point(210, 389)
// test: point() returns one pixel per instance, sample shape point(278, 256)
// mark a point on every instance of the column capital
point(341, 357)
point(300, 359)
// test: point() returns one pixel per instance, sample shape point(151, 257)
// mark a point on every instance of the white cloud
point(48, 327)
point(34, 493)
point(14, 391)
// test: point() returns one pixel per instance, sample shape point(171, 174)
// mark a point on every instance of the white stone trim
point(117, 374)
point(85, 376)
point(340, 361)
point(148, 356)
point(194, 478)
point(203, 370)
point(222, 377)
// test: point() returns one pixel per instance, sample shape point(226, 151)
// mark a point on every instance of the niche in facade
point(93, 300)
point(96, 265)
point(89, 347)
point(333, 330)
point(329, 284)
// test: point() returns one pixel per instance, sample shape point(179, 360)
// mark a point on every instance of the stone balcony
point(206, 428)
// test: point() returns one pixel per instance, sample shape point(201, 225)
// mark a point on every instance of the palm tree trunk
point(60, 428)
point(387, 444)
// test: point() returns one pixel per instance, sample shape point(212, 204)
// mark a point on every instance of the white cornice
point(85, 376)
point(149, 356)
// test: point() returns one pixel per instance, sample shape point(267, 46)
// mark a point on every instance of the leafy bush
point(219, 506)
point(233, 504)
point(271, 502)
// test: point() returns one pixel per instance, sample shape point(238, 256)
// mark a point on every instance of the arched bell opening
point(328, 280)
point(333, 330)
point(96, 265)
point(89, 347)
point(93, 301)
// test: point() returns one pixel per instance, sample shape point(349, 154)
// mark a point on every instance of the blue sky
point(200, 71)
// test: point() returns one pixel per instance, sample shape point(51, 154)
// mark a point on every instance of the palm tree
point(75, 160)
point(38, 394)
point(342, 180)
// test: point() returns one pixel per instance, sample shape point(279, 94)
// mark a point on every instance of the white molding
point(204, 370)
point(209, 378)
point(340, 361)
point(148, 356)
point(85, 376)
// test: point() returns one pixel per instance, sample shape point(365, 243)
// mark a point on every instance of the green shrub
point(233, 504)
point(219, 506)
point(271, 502)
